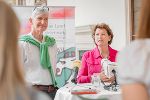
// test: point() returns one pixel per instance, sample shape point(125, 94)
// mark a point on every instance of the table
point(64, 93)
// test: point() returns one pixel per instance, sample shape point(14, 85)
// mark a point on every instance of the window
point(134, 7)
point(81, 53)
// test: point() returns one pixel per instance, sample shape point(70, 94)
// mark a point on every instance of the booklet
point(84, 91)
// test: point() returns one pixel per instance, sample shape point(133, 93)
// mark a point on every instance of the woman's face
point(101, 37)
point(40, 22)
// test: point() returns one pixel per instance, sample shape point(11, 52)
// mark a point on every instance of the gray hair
point(39, 10)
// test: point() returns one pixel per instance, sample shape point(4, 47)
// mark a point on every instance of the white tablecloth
point(64, 93)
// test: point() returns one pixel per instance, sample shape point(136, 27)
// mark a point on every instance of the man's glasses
point(41, 8)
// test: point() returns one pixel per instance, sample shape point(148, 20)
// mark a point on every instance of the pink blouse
point(91, 63)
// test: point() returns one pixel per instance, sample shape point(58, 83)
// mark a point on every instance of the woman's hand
point(104, 78)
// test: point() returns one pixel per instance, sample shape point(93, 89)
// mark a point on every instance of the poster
point(61, 26)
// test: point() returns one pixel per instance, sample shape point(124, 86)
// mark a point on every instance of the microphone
point(115, 81)
point(75, 73)
point(114, 72)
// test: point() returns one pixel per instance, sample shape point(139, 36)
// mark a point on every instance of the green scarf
point(44, 55)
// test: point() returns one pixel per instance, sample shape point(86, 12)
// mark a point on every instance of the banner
point(61, 26)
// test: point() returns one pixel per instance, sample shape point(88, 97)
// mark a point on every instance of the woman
point(134, 61)
point(39, 53)
point(12, 83)
point(91, 60)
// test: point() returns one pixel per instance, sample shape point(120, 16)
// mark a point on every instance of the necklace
point(106, 55)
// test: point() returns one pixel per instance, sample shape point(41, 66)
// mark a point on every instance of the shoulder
point(133, 61)
point(50, 40)
point(112, 51)
point(89, 53)
point(49, 37)
point(24, 35)
point(135, 52)
point(136, 48)
point(130, 51)
point(21, 37)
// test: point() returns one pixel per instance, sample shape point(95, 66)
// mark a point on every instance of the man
point(39, 53)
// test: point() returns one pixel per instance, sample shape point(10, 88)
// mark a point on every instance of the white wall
point(61, 2)
point(89, 12)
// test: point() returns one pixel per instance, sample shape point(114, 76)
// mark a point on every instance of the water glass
point(96, 80)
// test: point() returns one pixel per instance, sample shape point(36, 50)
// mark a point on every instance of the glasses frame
point(112, 86)
point(41, 8)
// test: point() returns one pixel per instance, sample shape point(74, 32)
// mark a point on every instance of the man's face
point(40, 22)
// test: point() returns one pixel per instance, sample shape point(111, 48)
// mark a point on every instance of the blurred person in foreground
point(39, 53)
point(12, 83)
point(134, 61)
point(91, 60)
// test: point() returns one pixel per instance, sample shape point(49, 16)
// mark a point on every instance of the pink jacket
point(91, 63)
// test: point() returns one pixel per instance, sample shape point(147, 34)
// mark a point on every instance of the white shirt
point(34, 72)
point(134, 63)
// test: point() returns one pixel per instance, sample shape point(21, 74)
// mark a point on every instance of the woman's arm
point(83, 76)
point(135, 91)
